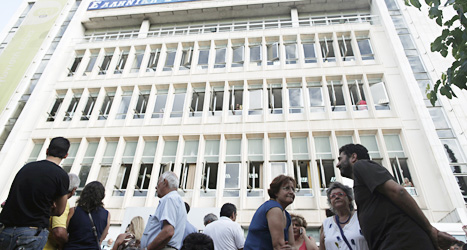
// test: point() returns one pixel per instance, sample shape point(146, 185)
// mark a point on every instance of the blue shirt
point(189, 229)
point(171, 208)
point(259, 236)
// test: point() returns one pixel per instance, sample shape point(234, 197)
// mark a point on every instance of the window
point(187, 55)
point(203, 57)
point(301, 164)
point(345, 48)
point(336, 95)
point(86, 115)
point(343, 140)
point(159, 107)
point(87, 163)
point(106, 163)
point(275, 98)
point(365, 48)
point(273, 53)
point(187, 174)
point(124, 105)
point(309, 52)
point(398, 162)
point(256, 100)
point(153, 60)
point(121, 62)
point(458, 163)
point(369, 141)
point(197, 102)
point(324, 162)
point(75, 65)
point(277, 149)
point(179, 102)
point(256, 54)
point(220, 57)
point(170, 59)
point(125, 168)
point(35, 151)
point(232, 168)
point(210, 168)
point(255, 168)
point(357, 95)
point(327, 50)
point(91, 63)
point(145, 170)
point(217, 100)
point(168, 156)
point(68, 162)
point(379, 94)
point(443, 129)
point(315, 94)
point(291, 55)
point(295, 98)
point(236, 100)
point(141, 105)
point(238, 57)
point(55, 108)
point(72, 107)
point(105, 64)
point(139, 54)
point(106, 105)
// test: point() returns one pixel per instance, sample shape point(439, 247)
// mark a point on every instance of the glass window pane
point(344, 140)
point(277, 148)
point(323, 147)
point(394, 146)
point(255, 149)
point(453, 151)
point(369, 141)
point(232, 175)
point(295, 97)
point(233, 150)
point(300, 148)
point(256, 99)
point(255, 53)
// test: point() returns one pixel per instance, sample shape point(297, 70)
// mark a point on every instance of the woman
point(341, 231)
point(80, 228)
point(302, 241)
point(131, 239)
point(271, 225)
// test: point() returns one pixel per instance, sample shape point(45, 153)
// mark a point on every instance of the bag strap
point(94, 230)
point(342, 232)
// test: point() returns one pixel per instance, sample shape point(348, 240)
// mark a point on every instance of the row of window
point(310, 159)
point(217, 54)
point(252, 97)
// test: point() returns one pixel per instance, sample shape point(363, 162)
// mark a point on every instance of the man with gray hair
point(209, 218)
point(58, 235)
point(166, 227)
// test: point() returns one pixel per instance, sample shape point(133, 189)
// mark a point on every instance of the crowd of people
point(36, 214)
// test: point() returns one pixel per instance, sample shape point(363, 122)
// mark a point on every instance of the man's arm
point(59, 205)
point(163, 238)
point(61, 236)
point(399, 196)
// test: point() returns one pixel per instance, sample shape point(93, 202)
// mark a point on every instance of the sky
point(7, 10)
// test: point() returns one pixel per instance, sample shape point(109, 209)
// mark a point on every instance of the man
point(226, 234)
point(39, 190)
point(58, 235)
point(189, 228)
point(208, 218)
point(165, 228)
point(389, 217)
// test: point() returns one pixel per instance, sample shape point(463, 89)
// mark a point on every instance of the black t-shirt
point(32, 193)
point(384, 225)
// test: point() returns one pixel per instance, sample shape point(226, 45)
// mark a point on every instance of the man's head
point(197, 241)
point(167, 183)
point(74, 184)
point(58, 147)
point(348, 155)
point(209, 218)
point(229, 210)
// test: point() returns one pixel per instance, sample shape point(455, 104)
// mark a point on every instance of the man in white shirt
point(225, 232)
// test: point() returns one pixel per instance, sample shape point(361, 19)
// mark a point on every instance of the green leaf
point(415, 3)
point(439, 20)
point(444, 53)
point(435, 12)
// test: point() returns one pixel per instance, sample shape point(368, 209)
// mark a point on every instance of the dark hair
point(58, 147)
point(228, 209)
point(92, 196)
point(360, 150)
point(277, 183)
point(187, 207)
point(298, 218)
point(347, 190)
point(197, 241)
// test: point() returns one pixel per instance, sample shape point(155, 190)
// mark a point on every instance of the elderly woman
point(131, 239)
point(302, 241)
point(85, 233)
point(271, 225)
point(341, 231)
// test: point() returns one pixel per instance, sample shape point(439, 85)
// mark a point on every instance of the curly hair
point(277, 183)
point(347, 190)
point(92, 196)
point(300, 219)
point(360, 150)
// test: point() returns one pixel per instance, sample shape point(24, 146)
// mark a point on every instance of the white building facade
point(230, 94)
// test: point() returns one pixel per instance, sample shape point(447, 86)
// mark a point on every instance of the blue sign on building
point(109, 4)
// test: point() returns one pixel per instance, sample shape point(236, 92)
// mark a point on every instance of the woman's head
point(136, 227)
point(92, 196)
point(340, 195)
point(282, 189)
point(297, 222)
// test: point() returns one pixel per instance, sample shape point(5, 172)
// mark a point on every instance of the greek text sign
point(109, 4)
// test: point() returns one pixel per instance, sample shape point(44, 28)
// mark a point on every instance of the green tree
point(453, 39)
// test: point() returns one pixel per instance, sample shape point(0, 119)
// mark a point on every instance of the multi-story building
point(229, 94)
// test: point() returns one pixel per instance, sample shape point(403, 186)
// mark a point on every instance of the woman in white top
point(342, 231)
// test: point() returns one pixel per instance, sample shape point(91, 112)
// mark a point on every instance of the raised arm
point(276, 221)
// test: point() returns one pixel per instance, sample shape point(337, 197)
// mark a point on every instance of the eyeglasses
point(334, 195)
point(288, 189)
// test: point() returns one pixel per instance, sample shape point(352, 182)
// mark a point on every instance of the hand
point(303, 232)
point(441, 240)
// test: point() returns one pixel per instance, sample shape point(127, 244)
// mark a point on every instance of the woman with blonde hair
point(302, 241)
point(131, 239)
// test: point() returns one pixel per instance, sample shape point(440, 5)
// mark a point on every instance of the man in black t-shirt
point(39, 190)
point(389, 217)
